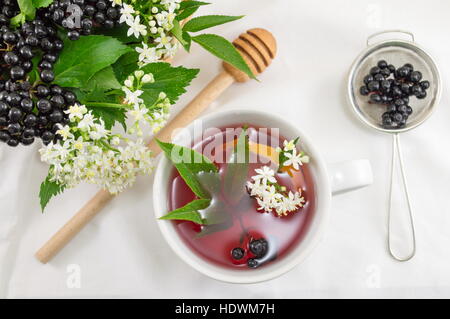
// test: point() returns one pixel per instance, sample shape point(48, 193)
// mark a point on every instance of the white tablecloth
point(122, 253)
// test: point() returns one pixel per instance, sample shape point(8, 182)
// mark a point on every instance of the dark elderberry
point(393, 87)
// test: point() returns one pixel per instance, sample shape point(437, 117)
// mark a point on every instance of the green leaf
point(109, 115)
point(27, 8)
point(168, 79)
point(237, 169)
point(81, 59)
point(126, 65)
point(224, 50)
point(188, 40)
point(18, 20)
point(189, 211)
point(186, 13)
point(42, 3)
point(177, 32)
point(209, 21)
point(192, 4)
point(119, 32)
point(48, 190)
point(189, 164)
point(104, 79)
point(188, 8)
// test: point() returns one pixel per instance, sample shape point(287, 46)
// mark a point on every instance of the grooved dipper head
point(258, 47)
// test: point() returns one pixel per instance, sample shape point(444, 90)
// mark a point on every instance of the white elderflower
point(288, 146)
point(129, 81)
point(87, 122)
point(126, 14)
point(170, 5)
point(264, 204)
point(76, 112)
point(148, 78)
point(265, 174)
point(293, 159)
point(138, 113)
point(136, 27)
point(131, 97)
point(99, 131)
point(93, 158)
point(147, 54)
point(163, 41)
point(64, 131)
point(116, 2)
point(272, 196)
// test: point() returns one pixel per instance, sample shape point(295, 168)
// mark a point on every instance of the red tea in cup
point(246, 236)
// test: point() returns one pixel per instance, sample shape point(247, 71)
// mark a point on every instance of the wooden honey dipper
point(258, 48)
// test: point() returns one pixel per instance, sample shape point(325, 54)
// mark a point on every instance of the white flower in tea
point(289, 145)
point(265, 174)
point(269, 194)
point(295, 160)
point(272, 196)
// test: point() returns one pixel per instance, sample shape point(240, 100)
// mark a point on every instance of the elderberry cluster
point(20, 46)
point(9, 9)
point(80, 16)
point(27, 112)
point(393, 87)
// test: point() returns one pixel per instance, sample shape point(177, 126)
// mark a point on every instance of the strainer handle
point(410, 34)
point(396, 151)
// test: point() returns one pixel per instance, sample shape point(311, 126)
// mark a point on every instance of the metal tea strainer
point(396, 52)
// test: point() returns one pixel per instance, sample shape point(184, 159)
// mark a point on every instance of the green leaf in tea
point(48, 190)
point(223, 49)
point(209, 21)
point(189, 212)
point(189, 164)
point(81, 59)
point(236, 172)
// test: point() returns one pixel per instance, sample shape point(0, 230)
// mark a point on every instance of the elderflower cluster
point(153, 27)
point(271, 196)
point(155, 115)
point(89, 152)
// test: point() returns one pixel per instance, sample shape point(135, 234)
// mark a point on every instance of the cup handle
point(350, 175)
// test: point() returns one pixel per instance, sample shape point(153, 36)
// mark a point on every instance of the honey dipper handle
point(188, 114)
point(96, 204)
point(73, 226)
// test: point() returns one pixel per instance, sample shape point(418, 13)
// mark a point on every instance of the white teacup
point(329, 180)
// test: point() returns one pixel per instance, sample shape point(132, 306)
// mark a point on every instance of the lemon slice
point(264, 150)
point(259, 149)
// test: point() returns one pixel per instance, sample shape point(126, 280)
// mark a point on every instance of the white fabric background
point(122, 254)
